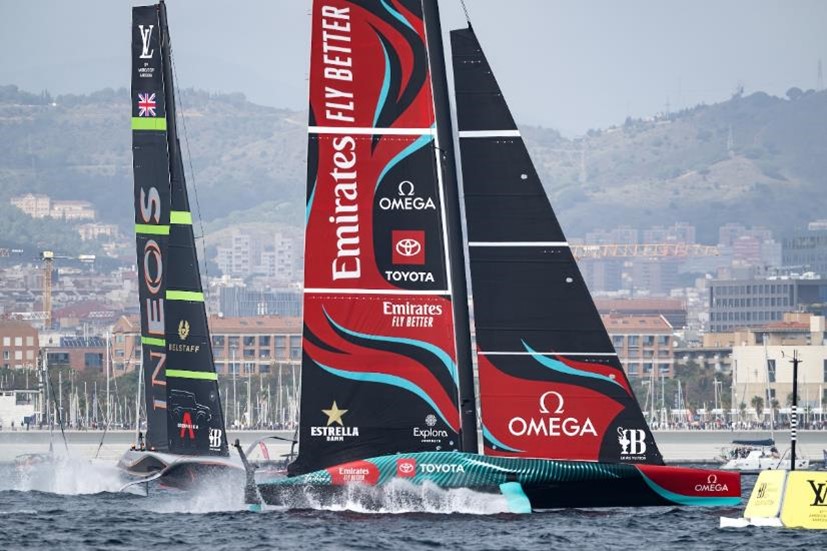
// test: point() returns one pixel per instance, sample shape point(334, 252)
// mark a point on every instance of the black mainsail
point(184, 414)
point(551, 384)
point(150, 161)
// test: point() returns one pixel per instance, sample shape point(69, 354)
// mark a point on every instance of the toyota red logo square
point(405, 468)
point(408, 247)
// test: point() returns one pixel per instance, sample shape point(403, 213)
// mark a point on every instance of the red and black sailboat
point(380, 361)
point(387, 377)
point(185, 421)
point(551, 384)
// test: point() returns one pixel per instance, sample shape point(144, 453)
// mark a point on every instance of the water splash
point(219, 493)
point(62, 475)
point(401, 496)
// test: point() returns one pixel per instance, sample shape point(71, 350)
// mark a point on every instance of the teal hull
point(546, 483)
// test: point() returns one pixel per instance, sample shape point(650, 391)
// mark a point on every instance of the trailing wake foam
point(62, 475)
point(401, 496)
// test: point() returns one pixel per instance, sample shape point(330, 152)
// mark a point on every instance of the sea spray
point(401, 496)
point(65, 476)
point(218, 493)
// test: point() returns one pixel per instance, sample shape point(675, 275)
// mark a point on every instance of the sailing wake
point(401, 496)
point(220, 493)
point(61, 475)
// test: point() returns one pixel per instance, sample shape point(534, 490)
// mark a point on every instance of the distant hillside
point(79, 147)
point(755, 160)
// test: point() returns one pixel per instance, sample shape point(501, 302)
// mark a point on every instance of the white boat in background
point(754, 456)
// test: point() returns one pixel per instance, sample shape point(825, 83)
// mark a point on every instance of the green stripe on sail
point(192, 296)
point(202, 375)
point(149, 123)
point(152, 229)
point(153, 341)
point(182, 217)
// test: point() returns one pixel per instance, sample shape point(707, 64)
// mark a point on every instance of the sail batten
point(551, 384)
point(371, 131)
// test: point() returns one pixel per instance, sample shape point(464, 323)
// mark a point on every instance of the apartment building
point(643, 344)
point(18, 345)
point(247, 345)
point(750, 303)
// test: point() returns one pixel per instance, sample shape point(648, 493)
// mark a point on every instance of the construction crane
point(38, 315)
point(643, 250)
point(48, 258)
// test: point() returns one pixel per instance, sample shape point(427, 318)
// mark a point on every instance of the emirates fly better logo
point(408, 247)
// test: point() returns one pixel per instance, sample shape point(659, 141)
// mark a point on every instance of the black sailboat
point(185, 423)
point(541, 344)
point(387, 378)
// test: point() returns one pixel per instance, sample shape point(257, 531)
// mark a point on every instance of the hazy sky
point(568, 64)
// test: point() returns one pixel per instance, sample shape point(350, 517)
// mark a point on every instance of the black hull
point(178, 471)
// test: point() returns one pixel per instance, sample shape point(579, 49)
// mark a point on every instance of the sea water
point(75, 503)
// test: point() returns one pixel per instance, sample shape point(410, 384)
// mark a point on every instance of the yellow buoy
point(805, 500)
point(767, 495)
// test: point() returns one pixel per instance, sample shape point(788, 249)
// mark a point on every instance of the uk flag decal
point(146, 105)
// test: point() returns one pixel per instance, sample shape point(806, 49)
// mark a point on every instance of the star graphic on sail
point(334, 414)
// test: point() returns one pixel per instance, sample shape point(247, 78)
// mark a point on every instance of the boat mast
point(108, 376)
point(169, 93)
point(138, 404)
point(794, 410)
point(453, 223)
point(769, 397)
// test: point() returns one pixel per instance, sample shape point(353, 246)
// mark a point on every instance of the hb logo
point(632, 441)
point(215, 439)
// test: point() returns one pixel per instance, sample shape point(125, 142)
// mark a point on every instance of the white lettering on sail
point(152, 265)
point(553, 423)
point(408, 314)
point(153, 281)
point(413, 277)
point(406, 199)
point(155, 316)
point(146, 53)
point(150, 205)
point(408, 309)
point(347, 264)
point(337, 61)
point(161, 359)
